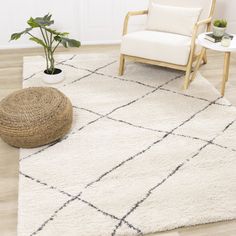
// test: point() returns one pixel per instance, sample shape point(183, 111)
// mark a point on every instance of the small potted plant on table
point(50, 40)
point(219, 28)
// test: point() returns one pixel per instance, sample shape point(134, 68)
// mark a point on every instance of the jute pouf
point(34, 117)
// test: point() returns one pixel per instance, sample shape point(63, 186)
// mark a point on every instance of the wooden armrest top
point(205, 21)
point(132, 13)
point(136, 13)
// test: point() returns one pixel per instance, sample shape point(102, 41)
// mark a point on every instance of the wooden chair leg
point(187, 77)
point(122, 65)
point(197, 66)
point(205, 58)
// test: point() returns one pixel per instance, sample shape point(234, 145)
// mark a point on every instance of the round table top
point(216, 46)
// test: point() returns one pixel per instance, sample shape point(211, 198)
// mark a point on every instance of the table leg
point(226, 72)
point(200, 58)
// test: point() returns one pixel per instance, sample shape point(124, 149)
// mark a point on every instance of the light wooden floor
point(10, 80)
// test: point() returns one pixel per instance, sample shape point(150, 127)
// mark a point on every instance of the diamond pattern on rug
point(84, 144)
point(139, 143)
point(160, 116)
point(228, 138)
point(196, 91)
point(140, 174)
point(39, 206)
point(180, 189)
point(84, 118)
point(215, 118)
point(71, 74)
point(106, 90)
point(83, 224)
point(153, 77)
point(92, 63)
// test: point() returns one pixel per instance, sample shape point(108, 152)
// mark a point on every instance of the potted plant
point(50, 40)
point(219, 27)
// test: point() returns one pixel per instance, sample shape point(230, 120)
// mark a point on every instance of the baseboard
point(102, 42)
point(18, 46)
point(95, 42)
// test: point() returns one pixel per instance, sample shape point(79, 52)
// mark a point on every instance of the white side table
point(206, 44)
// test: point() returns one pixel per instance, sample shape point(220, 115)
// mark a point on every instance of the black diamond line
point(174, 134)
point(112, 216)
point(109, 113)
point(124, 162)
point(78, 68)
point(52, 217)
point(72, 198)
point(158, 141)
point(44, 184)
point(159, 87)
point(156, 130)
point(92, 72)
point(132, 209)
point(61, 140)
point(64, 138)
point(149, 147)
point(39, 151)
point(146, 85)
point(126, 80)
point(164, 89)
point(138, 203)
point(203, 109)
point(80, 78)
point(66, 60)
point(59, 63)
point(88, 110)
point(113, 77)
point(119, 78)
point(191, 96)
point(91, 122)
point(145, 95)
point(31, 76)
point(142, 200)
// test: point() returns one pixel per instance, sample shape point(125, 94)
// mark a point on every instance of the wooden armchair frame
point(192, 55)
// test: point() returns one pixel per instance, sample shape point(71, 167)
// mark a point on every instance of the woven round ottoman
point(34, 117)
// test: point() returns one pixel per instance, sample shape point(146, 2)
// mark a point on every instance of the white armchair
point(169, 39)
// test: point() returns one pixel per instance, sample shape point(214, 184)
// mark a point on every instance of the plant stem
point(56, 47)
point(45, 50)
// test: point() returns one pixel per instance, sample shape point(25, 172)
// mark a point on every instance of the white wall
point(91, 21)
point(227, 9)
point(15, 13)
point(103, 20)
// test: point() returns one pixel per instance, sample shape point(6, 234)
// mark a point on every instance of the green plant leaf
point(38, 41)
point(66, 42)
point(40, 21)
point(220, 23)
point(16, 36)
point(52, 31)
point(31, 22)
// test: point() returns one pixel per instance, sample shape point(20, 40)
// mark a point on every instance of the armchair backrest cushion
point(205, 5)
point(178, 20)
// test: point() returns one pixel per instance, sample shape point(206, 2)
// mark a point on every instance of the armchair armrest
point(202, 22)
point(195, 31)
point(132, 13)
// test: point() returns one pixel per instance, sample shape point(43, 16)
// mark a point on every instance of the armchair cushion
point(179, 20)
point(159, 46)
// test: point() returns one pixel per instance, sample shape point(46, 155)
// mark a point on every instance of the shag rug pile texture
point(142, 156)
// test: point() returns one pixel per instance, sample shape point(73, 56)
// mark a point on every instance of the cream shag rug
point(143, 155)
